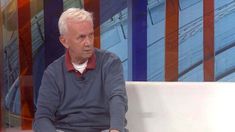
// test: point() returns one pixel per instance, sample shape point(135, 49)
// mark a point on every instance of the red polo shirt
point(91, 64)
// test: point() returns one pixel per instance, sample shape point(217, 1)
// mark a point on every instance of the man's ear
point(63, 41)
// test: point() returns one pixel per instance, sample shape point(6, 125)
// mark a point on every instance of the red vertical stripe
point(94, 6)
point(171, 41)
point(208, 39)
point(1, 68)
point(25, 59)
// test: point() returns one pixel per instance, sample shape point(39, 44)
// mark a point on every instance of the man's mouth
point(88, 51)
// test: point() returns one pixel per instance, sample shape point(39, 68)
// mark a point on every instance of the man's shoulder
point(57, 64)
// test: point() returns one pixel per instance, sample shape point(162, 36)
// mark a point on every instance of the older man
point(84, 90)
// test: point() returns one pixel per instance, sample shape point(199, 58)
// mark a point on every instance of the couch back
point(181, 107)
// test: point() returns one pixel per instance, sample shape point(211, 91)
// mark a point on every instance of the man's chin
point(88, 55)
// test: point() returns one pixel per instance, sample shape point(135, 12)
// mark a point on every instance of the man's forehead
point(75, 21)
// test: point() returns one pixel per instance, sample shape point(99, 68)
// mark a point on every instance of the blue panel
point(190, 41)
point(220, 3)
point(228, 78)
point(190, 52)
point(194, 75)
point(156, 41)
point(137, 34)
point(225, 40)
point(224, 25)
point(113, 40)
point(53, 48)
point(120, 50)
point(110, 38)
point(156, 57)
point(190, 17)
point(151, 1)
point(225, 62)
point(157, 13)
point(187, 3)
point(124, 29)
point(156, 22)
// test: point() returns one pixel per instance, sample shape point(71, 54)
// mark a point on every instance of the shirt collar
point(91, 64)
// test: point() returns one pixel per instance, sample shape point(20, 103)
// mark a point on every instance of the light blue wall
point(114, 38)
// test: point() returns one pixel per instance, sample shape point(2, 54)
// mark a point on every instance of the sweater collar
point(91, 64)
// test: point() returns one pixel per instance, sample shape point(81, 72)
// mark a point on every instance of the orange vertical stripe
point(171, 40)
point(94, 6)
point(1, 68)
point(25, 59)
point(208, 39)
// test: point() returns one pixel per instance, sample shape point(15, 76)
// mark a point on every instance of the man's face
point(79, 40)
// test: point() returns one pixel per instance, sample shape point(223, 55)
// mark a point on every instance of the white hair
point(76, 14)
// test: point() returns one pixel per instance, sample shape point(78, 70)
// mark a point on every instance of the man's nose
point(88, 40)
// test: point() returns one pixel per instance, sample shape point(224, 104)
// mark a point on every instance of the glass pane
point(11, 104)
point(11, 66)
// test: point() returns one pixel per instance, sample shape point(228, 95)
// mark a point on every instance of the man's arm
point(48, 100)
point(117, 95)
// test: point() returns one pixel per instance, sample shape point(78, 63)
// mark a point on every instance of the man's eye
point(81, 37)
point(91, 34)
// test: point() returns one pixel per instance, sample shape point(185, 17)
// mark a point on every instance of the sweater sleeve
point(48, 101)
point(117, 95)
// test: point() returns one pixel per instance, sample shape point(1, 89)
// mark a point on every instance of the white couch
point(181, 107)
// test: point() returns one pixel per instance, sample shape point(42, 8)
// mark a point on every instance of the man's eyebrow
point(86, 34)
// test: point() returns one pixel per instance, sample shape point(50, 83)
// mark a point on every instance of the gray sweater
point(92, 102)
